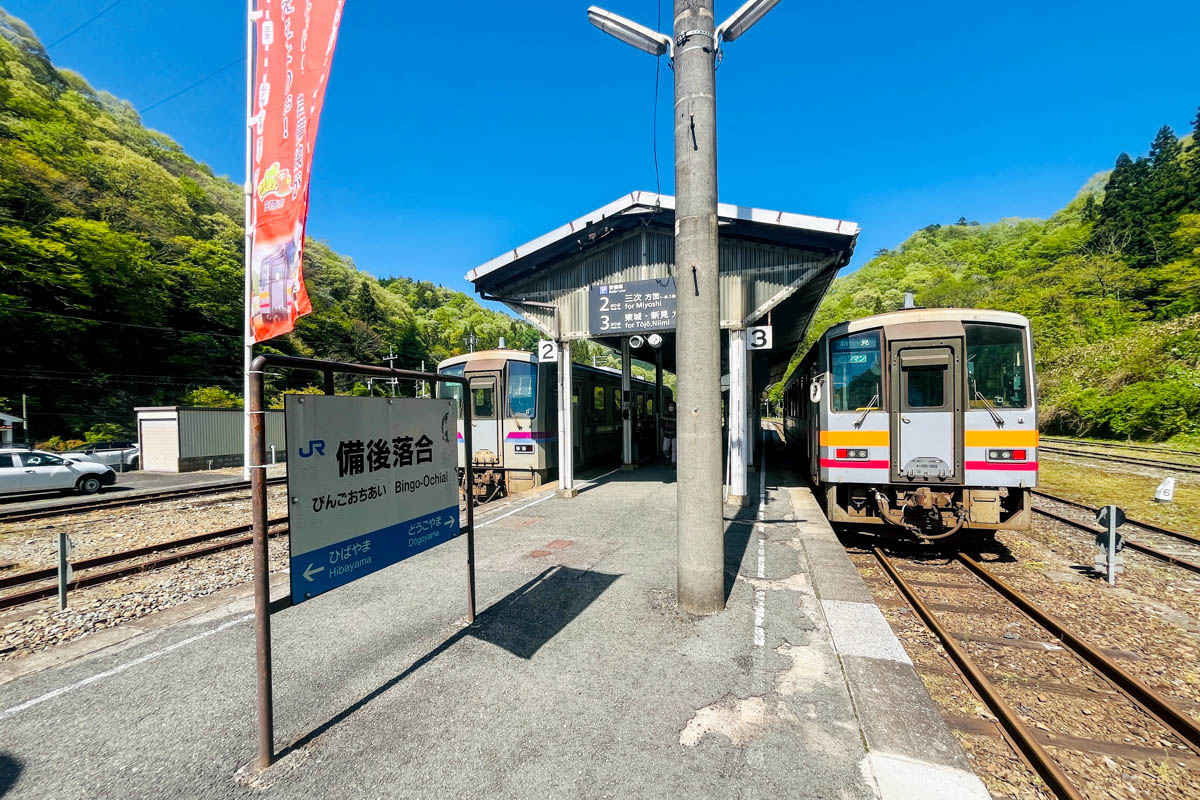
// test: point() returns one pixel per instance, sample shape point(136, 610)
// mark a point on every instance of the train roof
point(907, 315)
point(500, 356)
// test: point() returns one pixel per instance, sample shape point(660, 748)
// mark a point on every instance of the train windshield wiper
point(870, 407)
point(991, 409)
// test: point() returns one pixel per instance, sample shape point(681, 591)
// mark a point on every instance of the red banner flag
point(294, 52)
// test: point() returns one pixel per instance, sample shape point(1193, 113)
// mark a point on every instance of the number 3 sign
point(758, 338)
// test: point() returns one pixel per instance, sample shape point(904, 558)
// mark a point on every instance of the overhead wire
point(187, 89)
point(159, 328)
point(83, 25)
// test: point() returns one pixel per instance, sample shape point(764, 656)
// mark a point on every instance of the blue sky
point(453, 133)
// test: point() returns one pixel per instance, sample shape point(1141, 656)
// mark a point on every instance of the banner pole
point(247, 310)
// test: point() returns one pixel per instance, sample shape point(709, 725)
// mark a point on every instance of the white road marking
point(119, 669)
point(760, 597)
point(200, 636)
point(760, 611)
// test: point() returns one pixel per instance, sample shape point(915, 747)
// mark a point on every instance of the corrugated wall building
point(186, 439)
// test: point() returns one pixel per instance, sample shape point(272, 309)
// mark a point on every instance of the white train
point(514, 417)
point(922, 420)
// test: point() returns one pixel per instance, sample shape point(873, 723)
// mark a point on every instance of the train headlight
point(859, 454)
point(1006, 455)
point(522, 448)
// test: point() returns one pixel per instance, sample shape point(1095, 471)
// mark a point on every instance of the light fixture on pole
point(741, 20)
point(631, 33)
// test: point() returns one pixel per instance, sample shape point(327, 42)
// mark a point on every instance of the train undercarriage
point(930, 512)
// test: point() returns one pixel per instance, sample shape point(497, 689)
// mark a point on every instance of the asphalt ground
point(129, 484)
point(578, 679)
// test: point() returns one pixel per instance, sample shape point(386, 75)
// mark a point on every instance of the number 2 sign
point(547, 350)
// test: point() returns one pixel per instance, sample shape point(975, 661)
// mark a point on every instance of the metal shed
point(187, 439)
point(8, 427)
point(775, 267)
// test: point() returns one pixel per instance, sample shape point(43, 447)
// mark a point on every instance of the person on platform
point(668, 432)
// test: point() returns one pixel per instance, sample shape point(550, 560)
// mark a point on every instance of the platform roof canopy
point(775, 266)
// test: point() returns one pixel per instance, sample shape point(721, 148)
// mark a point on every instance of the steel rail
point(24, 515)
point(1018, 732)
point(1147, 525)
point(94, 579)
point(1119, 446)
point(1141, 462)
point(30, 576)
point(1146, 698)
point(1130, 543)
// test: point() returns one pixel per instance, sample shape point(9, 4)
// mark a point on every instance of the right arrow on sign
point(309, 571)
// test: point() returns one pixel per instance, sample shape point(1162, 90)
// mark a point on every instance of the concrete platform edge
point(912, 755)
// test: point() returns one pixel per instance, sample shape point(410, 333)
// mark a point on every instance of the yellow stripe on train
point(854, 438)
point(1000, 438)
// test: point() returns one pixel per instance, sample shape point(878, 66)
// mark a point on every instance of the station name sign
point(371, 481)
point(631, 307)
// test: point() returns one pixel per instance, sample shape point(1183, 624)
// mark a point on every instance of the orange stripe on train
point(854, 439)
point(1000, 438)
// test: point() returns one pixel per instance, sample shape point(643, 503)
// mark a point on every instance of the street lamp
point(657, 44)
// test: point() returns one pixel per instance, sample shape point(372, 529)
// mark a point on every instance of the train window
point(522, 388)
point(925, 387)
point(454, 391)
point(856, 371)
point(616, 405)
point(650, 405)
point(996, 370)
point(598, 403)
point(485, 406)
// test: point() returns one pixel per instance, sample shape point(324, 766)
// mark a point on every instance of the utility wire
point(80, 27)
point(158, 328)
point(654, 124)
point(187, 89)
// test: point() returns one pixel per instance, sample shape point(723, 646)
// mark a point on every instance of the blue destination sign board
point(631, 307)
point(371, 481)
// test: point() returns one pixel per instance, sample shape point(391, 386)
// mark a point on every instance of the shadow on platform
point(520, 623)
point(10, 770)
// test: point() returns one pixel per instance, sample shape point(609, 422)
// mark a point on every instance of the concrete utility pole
point(693, 50)
point(699, 518)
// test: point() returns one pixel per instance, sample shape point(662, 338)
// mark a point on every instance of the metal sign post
point(1111, 517)
point(258, 494)
point(65, 573)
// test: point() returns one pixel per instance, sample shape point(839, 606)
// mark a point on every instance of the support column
point(752, 422)
point(700, 523)
point(626, 407)
point(566, 424)
point(658, 401)
point(737, 418)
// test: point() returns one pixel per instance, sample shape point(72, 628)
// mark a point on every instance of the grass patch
point(1100, 485)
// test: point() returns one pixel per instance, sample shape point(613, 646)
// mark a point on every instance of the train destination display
point(631, 307)
point(371, 481)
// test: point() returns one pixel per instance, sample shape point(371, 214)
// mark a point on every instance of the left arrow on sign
point(309, 571)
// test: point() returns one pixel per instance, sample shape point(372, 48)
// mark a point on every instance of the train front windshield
point(856, 371)
point(453, 390)
point(996, 366)
point(522, 388)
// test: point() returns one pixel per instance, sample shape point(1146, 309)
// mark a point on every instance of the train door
point(926, 389)
point(485, 412)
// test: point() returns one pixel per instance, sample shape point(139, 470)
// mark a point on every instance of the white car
point(39, 471)
point(120, 456)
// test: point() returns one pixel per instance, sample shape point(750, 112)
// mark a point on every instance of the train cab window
point(522, 388)
point(485, 402)
point(856, 370)
point(996, 368)
point(454, 391)
point(598, 404)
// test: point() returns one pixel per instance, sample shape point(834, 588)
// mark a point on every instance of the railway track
point(1118, 446)
point(1057, 756)
point(37, 584)
point(25, 515)
point(1141, 462)
point(1182, 550)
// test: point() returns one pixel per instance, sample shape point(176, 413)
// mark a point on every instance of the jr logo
point(314, 446)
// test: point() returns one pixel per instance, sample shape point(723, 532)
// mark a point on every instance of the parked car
point(39, 471)
point(120, 456)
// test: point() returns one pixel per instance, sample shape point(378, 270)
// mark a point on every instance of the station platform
point(579, 678)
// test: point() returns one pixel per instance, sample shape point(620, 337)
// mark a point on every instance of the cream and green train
point(514, 417)
point(922, 420)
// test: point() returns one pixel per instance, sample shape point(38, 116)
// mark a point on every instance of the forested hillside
point(121, 265)
point(1111, 284)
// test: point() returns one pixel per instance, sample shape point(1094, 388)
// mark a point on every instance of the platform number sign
point(759, 338)
point(547, 350)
